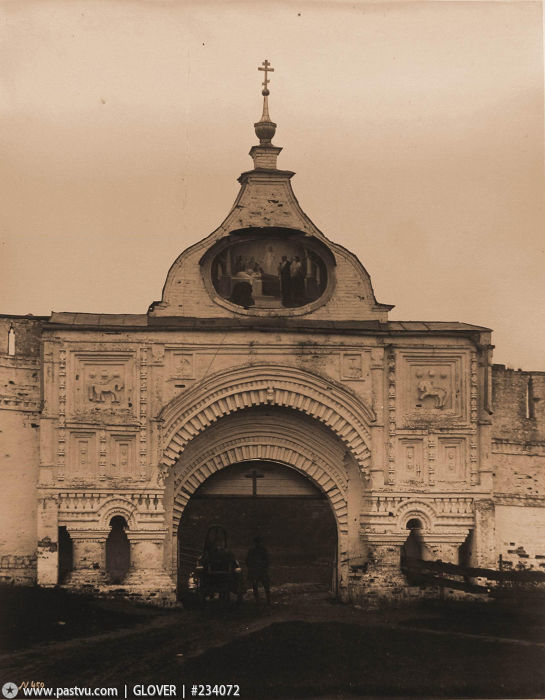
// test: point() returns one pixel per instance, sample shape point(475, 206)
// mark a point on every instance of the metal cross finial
point(266, 67)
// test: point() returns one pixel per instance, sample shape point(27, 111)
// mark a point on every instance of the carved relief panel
point(355, 366)
point(434, 388)
point(103, 383)
point(452, 461)
point(82, 454)
point(122, 456)
point(181, 364)
point(411, 460)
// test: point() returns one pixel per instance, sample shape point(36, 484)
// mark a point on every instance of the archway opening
point(414, 524)
point(257, 498)
point(66, 554)
point(118, 550)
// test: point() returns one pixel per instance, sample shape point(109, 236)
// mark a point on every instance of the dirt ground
point(303, 645)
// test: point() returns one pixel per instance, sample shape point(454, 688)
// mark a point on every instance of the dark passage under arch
point(118, 550)
point(270, 500)
point(66, 554)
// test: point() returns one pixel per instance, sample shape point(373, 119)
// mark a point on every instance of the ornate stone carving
point(434, 388)
point(182, 364)
point(411, 458)
point(474, 388)
point(143, 411)
point(284, 451)
point(82, 453)
point(61, 445)
point(232, 390)
point(427, 388)
point(102, 384)
point(122, 456)
point(102, 454)
point(391, 416)
point(452, 459)
point(446, 517)
point(92, 509)
point(432, 446)
point(354, 366)
point(105, 387)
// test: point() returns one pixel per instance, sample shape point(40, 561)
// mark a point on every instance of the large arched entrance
point(270, 500)
point(276, 414)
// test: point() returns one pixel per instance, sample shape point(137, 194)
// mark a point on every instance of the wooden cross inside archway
point(254, 476)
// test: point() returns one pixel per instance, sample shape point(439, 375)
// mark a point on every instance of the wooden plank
point(525, 576)
point(259, 479)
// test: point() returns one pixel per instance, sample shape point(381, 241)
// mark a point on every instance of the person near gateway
point(257, 562)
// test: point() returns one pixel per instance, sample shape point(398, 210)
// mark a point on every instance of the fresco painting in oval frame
point(271, 273)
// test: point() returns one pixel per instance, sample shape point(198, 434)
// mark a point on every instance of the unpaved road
point(303, 646)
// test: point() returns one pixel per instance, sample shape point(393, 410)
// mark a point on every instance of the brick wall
point(518, 456)
point(519, 404)
point(518, 431)
point(20, 397)
point(520, 536)
point(27, 329)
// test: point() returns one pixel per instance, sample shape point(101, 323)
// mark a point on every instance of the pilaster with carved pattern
point(61, 448)
point(391, 416)
point(102, 454)
point(474, 413)
point(432, 456)
point(143, 450)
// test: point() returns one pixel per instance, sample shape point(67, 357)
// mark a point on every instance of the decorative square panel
point(354, 366)
point(433, 388)
point(451, 462)
point(181, 364)
point(102, 383)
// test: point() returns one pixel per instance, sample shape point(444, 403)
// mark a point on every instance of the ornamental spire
point(265, 129)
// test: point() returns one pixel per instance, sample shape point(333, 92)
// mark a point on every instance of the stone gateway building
point(267, 391)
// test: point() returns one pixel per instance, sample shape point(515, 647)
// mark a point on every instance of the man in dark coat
point(257, 562)
point(285, 280)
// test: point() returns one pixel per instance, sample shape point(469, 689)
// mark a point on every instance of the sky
point(415, 130)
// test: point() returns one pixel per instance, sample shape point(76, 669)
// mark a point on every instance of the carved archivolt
point(289, 446)
point(118, 506)
point(417, 509)
point(230, 391)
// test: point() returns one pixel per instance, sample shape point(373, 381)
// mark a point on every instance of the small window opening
point(11, 341)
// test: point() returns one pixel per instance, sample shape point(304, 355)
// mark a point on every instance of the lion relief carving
point(427, 389)
point(103, 388)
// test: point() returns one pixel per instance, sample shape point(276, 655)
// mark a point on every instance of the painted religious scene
point(270, 273)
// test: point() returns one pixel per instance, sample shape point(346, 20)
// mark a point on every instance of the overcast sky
point(415, 130)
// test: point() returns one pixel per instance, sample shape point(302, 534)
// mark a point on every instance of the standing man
point(257, 562)
point(285, 280)
point(297, 273)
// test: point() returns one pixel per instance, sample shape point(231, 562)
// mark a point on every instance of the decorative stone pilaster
point(89, 558)
point(391, 416)
point(381, 578)
point(377, 428)
point(484, 536)
point(147, 579)
point(48, 547)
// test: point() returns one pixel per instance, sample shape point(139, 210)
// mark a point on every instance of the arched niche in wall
point(259, 271)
